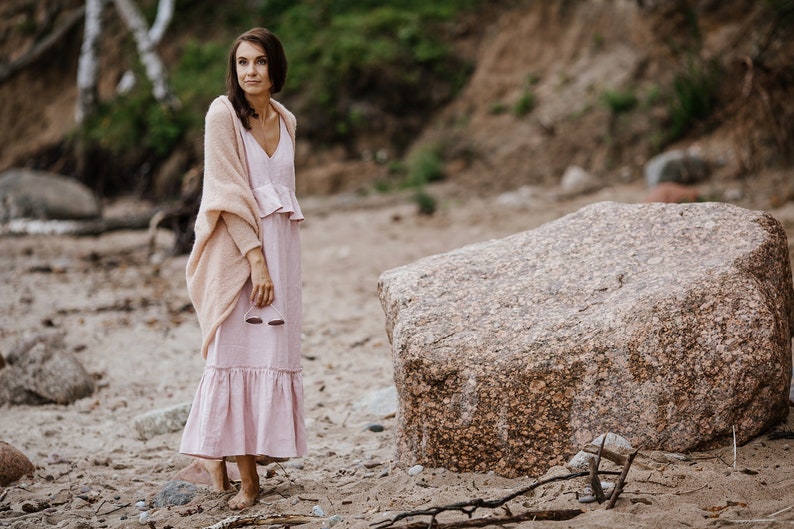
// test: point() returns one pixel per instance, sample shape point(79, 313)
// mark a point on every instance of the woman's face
point(252, 71)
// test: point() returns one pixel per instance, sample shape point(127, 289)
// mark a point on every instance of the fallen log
point(75, 227)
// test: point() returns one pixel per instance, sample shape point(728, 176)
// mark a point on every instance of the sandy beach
point(127, 317)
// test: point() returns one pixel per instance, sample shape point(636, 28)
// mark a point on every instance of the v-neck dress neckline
point(281, 131)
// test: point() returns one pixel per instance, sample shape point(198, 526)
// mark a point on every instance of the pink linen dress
point(250, 397)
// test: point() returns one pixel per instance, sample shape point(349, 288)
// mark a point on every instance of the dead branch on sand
point(621, 480)
point(267, 519)
point(470, 507)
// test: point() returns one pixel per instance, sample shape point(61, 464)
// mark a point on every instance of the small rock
point(156, 422)
point(416, 469)
point(613, 441)
point(34, 506)
point(41, 371)
point(143, 519)
point(13, 464)
point(141, 505)
point(374, 427)
point(576, 181)
point(380, 403)
point(333, 520)
point(679, 166)
point(318, 511)
point(175, 493)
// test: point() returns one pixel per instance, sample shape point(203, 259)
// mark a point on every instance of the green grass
point(619, 102)
point(694, 96)
point(525, 103)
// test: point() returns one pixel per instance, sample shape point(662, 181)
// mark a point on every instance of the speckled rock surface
point(668, 324)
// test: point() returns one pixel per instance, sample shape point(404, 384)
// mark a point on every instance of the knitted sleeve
point(244, 237)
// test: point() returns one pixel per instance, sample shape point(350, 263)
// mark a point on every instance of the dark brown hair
point(276, 69)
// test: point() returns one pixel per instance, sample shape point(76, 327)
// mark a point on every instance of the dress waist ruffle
point(272, 198)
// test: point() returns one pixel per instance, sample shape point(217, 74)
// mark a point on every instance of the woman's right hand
point(262, 290)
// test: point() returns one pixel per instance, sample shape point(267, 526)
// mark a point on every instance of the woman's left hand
point(262, 291)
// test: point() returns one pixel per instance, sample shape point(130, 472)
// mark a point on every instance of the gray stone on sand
point(25, 193)
point(679, 166)
point(40, 370)
point(380, 403)
point(165, 420)
point(611, 442)
point(175, 493)
point(667, 324)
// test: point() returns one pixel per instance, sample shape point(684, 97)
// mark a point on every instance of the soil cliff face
point(546, 92)
point(568, 57)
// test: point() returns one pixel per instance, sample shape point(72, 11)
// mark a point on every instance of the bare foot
point(243, 499)
point(217, 471)
point(249, 483)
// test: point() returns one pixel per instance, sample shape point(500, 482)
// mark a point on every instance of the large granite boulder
point(25, 193)
point(669, 325)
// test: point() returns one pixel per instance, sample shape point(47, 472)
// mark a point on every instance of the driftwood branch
point(621, 480)
point(535, 516)
point(75, 227)
point(469, 507)
point(615, 457)
point(267, 519)
point(41, 47)
point(595, 481)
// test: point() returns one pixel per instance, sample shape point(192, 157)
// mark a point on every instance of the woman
point(244, 272)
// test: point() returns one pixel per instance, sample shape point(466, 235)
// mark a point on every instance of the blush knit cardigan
point(227, 225)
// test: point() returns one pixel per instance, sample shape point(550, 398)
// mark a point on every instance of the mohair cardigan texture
point(227, 225)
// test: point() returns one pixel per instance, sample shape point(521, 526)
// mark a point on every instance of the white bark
point(153, 65)
point(165, 12)
point(88, 65)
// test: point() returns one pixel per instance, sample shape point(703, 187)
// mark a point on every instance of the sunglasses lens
point(253, 319)
point(277, 321)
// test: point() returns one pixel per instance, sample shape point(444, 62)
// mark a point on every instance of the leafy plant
point(525, 103)
point(694, 96)
point(425, 202)
point(619, 102)
point(380, 53)
point(425, 166)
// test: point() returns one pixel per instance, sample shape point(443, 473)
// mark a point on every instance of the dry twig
point(621, 480)
point(266, 519)
point(552, 515)
point(470, 507)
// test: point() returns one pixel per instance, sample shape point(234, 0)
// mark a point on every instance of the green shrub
point(694, 96)
point(525, 103)
point(497, 108)
point(385, 53)
point(425, 166)
point(425, 202)
point(619, 102)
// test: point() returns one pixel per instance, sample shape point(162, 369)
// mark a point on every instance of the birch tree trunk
point(88, 65)
point(153, 65)
point(165, 12)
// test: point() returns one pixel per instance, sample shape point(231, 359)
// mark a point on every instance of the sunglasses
point(253, 319)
